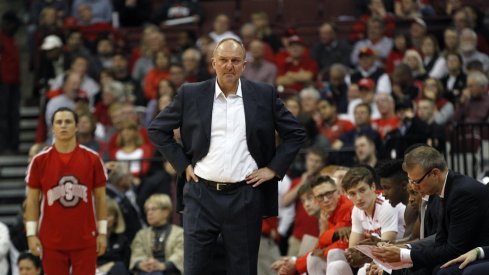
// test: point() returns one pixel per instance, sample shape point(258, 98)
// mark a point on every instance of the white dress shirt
point(228, 159)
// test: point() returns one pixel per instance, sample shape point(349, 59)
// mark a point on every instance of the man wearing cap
point(9, 84)
point(296, 71)
point(376, 40)
point(368, 67)
point(366, 87)
point(417, 31)
point(51, 61)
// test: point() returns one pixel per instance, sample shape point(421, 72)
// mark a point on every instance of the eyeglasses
point(152, 209)
point(327, 194)
point(411, 181)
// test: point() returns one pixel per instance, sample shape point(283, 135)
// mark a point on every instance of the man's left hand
point(101, 244)
point(260, 176)
point(388, 253)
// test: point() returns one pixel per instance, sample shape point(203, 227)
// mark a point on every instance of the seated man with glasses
point(372, 215)
point(334, 226)
point(464, 220)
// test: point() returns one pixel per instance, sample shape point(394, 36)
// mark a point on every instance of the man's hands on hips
point(189, 174)
point(101, 244)
point(260, 176)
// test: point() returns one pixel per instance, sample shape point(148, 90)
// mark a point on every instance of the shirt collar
point(442, 195)
point(218, 90)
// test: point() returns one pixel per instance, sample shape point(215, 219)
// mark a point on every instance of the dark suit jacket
point(464, 222)
point(264, 113)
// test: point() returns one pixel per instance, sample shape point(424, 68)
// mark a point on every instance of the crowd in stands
point(362, 100)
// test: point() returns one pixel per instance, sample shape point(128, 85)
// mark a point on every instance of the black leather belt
point(222, 186)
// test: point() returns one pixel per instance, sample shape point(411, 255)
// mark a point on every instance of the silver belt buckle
point(218, 187)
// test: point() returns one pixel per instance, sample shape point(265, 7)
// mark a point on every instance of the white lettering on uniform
point(68, 192)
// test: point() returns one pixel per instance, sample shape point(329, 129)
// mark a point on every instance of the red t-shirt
point(303, 223)
point(384, 126)
point(9, 60)
point(341, 217)
point(306, 64)
point(334, 131)
point(67, 219)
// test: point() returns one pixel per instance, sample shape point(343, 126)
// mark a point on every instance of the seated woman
point(115, 261)
point(166, 92)
point(158, 249)
point(29, 264)
point(132, 148)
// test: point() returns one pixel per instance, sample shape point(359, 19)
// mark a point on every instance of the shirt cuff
point(406, 256)
point(481, 253)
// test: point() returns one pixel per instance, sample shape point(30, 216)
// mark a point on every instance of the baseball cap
point(366, 83)
point(295, 39)
point(366, 52)
point(51, 42)
point(419, 21)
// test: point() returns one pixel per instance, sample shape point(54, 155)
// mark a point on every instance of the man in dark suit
point(464, 213)
point(228, 159)
point(474, 262)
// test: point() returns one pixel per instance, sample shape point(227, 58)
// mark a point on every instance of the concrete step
point(27, 136)
point(13, 172)
point(28, 124)
point(13, 160)
point(10, 209)
point(8, 184)
point(12, 194)
point(24, 147)
point(29, 111)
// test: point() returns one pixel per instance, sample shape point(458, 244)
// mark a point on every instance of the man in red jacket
point(9, 84)
point(334, 227)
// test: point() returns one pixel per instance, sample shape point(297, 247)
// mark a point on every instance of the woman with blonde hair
point(413, 59)
point(116, 258)
point(158, 249)
point(132, 149)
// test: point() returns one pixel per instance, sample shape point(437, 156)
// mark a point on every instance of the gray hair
point(479, 77)
point(310, 91)
point(116, 88)
point(469, 32)
point(425, 157)
point(339, 67)
point(192, 53)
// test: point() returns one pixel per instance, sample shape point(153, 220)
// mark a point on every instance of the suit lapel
point(205, 102)
point(250, 105)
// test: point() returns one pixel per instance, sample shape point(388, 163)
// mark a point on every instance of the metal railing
point(467, 148)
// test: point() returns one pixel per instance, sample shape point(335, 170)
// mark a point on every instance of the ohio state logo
point(68, 192)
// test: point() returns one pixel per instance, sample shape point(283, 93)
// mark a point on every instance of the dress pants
point(235, 214)
point(480, 267)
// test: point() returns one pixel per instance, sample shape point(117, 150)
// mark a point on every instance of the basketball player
point(64, 228)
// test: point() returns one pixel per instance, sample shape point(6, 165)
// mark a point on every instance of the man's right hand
point(189, 174)
point(34, 245)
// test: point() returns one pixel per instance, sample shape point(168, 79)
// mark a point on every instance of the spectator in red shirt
point(388, 120)
point(9, 84)
point(331, 126)
point(296, 71)
point(303, 223)
point(160, 71)
point(335, 227)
